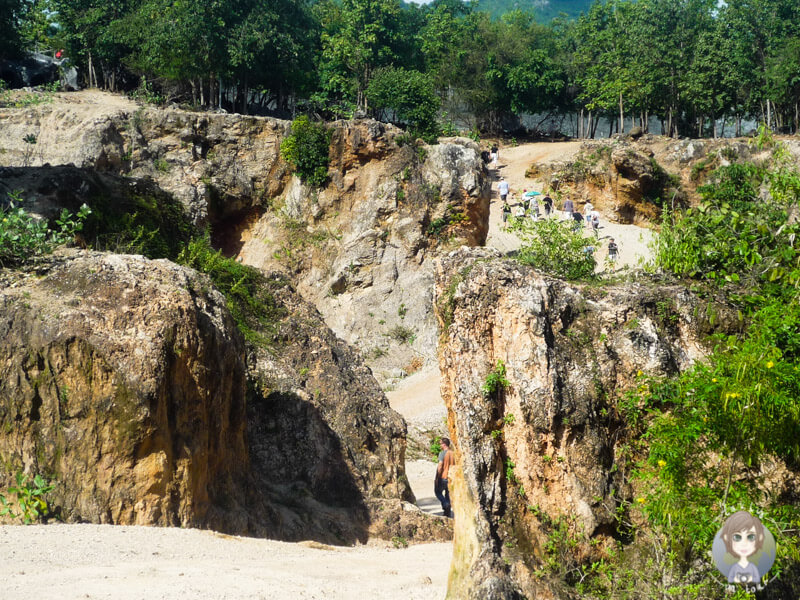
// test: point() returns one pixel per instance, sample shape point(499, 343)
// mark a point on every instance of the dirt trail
point(631, 239)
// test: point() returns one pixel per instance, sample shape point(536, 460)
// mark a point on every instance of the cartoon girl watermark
point(743, 551)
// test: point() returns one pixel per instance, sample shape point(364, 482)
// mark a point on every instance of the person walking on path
point(440, 488)
point(506, 211)
point(569, 208)
point(494, 155)
point(587, 212)
point(595, 223)
point(548, 205)
point(613, 249)
point(577, 221)
point(502, 189)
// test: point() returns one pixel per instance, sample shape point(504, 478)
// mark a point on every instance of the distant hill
point(545, 10)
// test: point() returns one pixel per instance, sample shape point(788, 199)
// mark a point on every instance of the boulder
point(123, 380)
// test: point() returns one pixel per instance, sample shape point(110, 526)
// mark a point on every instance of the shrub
point(31, 499)
point(246, 290)
point(24, 236)
point(553, 247)
point(733, 236)
point(495, 380)
point(306, 149)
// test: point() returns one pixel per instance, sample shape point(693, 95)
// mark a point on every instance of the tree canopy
point(693, 64)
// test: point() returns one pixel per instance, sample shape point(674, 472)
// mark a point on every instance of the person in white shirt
point(502, 189)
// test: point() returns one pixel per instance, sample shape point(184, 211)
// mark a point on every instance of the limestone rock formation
point(547, 447)
point(123, 380)
point(126, 381)
point(358, 248)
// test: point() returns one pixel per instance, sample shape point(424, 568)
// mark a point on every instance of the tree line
point(690, 63)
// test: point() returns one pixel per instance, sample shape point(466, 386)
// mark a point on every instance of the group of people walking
point(529, 207)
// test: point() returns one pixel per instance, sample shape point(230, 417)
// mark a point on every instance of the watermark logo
point(743, 551)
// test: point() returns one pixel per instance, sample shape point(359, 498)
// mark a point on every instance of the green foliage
point(399, 542)
point(734, 236)
point(403, 335)
point(306, 149)
point(496, 380)
point(23, 237)
point(30, 502)
point(139, 222)
point(410, 95)
point(248, 293)
point(435, 447)
point(712, 430)
point(554, 247)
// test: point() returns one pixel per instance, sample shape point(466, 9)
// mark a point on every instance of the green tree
point(10, 14)
point(554, 247)
point(410, 95)
point(358, 36)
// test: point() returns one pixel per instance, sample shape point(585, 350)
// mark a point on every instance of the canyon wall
point(359, 247)
point(546, 448)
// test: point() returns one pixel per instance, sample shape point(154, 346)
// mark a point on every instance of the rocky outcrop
point(123, 380)
point(126, 382)
point(546, 448)
point(327, 452)
point(359, 247)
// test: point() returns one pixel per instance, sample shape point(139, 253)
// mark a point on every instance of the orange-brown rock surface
point(546, 448)
point(123, 380)
point(126, 382)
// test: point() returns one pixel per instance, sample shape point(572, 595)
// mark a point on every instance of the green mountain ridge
point(545, 10)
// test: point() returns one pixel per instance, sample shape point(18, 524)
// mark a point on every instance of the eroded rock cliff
point(359, 247)
point(126, 382)
point(123, 379)
point(545, 451)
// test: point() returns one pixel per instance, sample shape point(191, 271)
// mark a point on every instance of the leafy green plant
point(249, 298)
point(306, 149)
point(30, 502)
point(399, 542)
point(24, 237)
point(435, 446)
point(496, 380)
point(553, 247)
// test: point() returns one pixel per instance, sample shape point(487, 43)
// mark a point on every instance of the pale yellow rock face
point(547, 447)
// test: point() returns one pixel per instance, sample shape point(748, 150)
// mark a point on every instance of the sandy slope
point(135, 563)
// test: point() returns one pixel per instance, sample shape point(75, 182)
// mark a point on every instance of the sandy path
point(513, 163)
point(104, 562)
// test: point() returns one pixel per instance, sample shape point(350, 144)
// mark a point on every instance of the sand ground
point(66, 562)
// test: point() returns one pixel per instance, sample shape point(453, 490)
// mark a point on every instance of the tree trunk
point(595, 123)
point(202, 94)
point(611, 126)
point(621, 114)
point(669, 122)
point(580, 131)
point(769, 115)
